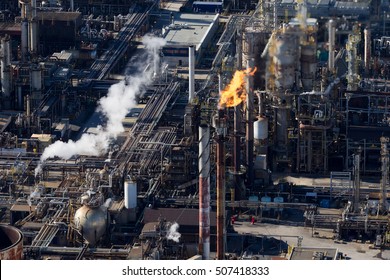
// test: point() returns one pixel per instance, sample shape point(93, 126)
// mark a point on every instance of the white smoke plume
point(121, 97)
point(172, 233)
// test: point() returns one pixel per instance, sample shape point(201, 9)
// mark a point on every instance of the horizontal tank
point(265, 199)
point(130, 194)
point(279, 199)
point(260, 129)
point(11, 243)
point(91, 223)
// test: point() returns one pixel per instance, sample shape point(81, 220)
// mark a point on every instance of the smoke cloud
point(172, 233)
point(121, 97)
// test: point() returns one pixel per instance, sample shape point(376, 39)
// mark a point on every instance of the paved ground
point(323, 238)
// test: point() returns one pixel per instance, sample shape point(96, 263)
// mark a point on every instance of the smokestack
point(204, 191)
point(5, 70)
point(332, 34)
point(24, 40)
point(249, 122)
point(367, 50)
point(191, 77)
point(220, 128)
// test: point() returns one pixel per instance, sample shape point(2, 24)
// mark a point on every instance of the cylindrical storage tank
point(91, 223)
point(11, 243)
point(130, 194)
point(260, 129)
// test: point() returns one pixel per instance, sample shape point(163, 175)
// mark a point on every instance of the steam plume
point(172, 233)
point(121, 97)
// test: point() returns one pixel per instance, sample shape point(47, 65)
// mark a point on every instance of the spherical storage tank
point(91, 223)
point(260, 129)
point(11, 243)
point(130, 194)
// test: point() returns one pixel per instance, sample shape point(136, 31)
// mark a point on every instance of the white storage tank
point(260, 129)
point(130, 194)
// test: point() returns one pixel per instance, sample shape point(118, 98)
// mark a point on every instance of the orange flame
point(235, 92)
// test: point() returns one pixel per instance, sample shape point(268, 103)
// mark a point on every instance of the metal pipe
point(204, 191)
point(249, 122)
point(191, 77)
point(331, 33)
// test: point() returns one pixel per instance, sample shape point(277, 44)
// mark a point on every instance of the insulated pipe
point(204, 191)
point(332, 34)
point(249, 122)
point(191, 79)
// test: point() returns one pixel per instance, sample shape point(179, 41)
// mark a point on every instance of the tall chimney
point(191, 77)
point(332, 34)
point(249, 122)
point(219, 122)
point(367, 50)
point(204, 191)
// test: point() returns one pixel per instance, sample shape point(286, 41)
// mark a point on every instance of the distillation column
point(331, 34)
point(33, 29)
point(5, 71)
point(367, 50)
point(24, 29)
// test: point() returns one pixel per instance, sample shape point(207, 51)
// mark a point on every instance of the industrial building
point(144, 130)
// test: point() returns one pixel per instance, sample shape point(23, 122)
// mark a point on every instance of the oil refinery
point(178, 129)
